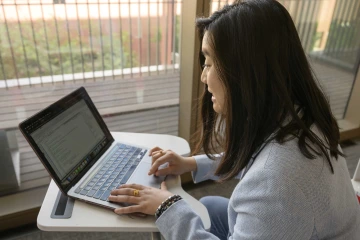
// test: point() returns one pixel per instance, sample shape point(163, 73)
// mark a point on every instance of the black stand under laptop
point(63, 207)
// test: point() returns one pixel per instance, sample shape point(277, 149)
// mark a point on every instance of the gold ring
point(136, 193)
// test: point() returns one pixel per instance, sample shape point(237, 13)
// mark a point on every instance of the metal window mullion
point(11, 48)
point(327, 9)
point(69, 40)
point(298, 14)
point(47, 42)
point(302, 19)
point(347, 19)
point(342, 35)
point(157, 37)
point(80, 41)
point(354, 7)
point(149, 35)
point(314, 26)
point(139, 36)
point(340, 29)
point(308, 29)
point(173, 34)
point(337, 20)
point(121, 42)
point(111, 42)
point(91, 41)
point(101, 41)
point(23, 45)
point(166, 34)
point(130, 42)
point(58, 42)
point(36, 50)
point(309, 20)
point(329, 41)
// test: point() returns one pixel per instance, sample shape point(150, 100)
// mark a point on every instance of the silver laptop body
point(139, 176)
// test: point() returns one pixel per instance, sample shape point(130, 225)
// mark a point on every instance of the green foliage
point(51, 52)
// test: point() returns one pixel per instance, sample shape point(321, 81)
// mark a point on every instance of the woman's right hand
point(176, 164)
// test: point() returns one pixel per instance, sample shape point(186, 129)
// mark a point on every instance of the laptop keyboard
point(115, 172)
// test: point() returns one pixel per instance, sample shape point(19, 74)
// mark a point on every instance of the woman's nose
point(203, 76)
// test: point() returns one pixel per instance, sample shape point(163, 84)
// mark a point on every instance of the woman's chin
point(216, 108)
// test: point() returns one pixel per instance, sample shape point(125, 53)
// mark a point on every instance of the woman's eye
point(206, 65)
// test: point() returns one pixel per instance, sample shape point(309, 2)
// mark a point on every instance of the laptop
point(74, 144)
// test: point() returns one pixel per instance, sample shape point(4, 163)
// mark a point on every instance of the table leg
point(155, 236)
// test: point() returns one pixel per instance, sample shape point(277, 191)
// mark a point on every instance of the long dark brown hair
point(260, 61)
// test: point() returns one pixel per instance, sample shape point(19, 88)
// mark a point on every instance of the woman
point(263, 109)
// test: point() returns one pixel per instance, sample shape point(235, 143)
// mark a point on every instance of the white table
point(356, 185)
point(87, 218)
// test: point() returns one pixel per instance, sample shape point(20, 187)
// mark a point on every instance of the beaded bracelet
point(166, 204)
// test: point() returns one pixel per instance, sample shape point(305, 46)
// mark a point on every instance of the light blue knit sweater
point(282, 196)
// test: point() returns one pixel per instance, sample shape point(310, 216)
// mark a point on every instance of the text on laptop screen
point(70, 140)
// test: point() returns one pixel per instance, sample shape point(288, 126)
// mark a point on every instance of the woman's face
point(211, 78)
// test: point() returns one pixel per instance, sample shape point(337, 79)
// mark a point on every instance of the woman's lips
point(213, 98)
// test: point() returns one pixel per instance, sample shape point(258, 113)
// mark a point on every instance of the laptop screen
point(69, 136)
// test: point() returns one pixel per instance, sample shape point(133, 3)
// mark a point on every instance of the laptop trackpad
point(140, 176)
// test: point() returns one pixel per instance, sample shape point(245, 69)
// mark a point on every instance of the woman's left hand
point(145, 199)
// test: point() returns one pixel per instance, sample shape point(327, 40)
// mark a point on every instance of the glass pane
point(330, 34)
point(125, 53)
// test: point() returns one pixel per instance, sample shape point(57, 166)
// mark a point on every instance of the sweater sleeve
point(205, 168)
point(181, 222)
